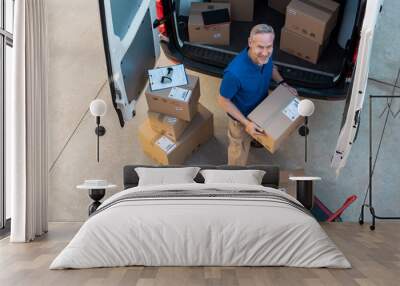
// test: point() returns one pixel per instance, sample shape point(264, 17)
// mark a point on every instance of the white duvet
point(200, 231)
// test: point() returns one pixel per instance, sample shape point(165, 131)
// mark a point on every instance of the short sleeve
point(229, 85)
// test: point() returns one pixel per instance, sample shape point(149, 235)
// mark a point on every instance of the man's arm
point(230, 108)
point(276, 76)
point(230, 85)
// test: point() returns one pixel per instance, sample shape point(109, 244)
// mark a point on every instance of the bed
point(201, 223)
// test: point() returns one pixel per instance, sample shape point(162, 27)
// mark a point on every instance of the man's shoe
point(255, 144)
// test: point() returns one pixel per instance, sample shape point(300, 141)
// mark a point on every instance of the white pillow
point(249, 177)
point(163, 176)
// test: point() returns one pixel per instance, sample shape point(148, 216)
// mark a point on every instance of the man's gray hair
point(261, 29)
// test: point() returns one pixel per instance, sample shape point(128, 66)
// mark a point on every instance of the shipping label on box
point(171, 120)
point(179, 93)
point(165, 144)
point(291, 110)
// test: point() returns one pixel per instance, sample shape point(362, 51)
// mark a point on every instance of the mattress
point(201, 225)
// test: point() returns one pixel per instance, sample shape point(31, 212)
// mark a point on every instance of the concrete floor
point(78, 74)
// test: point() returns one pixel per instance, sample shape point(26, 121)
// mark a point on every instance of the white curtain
point(27, 119)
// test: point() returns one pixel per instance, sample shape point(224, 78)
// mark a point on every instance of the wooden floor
point(375, 257)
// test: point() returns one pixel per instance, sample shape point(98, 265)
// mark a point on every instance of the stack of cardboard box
point(175, 128)
point(308, 26)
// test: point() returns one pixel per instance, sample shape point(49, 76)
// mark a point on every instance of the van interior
point(331, 66)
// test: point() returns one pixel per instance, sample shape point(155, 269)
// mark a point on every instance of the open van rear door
point(131, 46)
point(359, 83)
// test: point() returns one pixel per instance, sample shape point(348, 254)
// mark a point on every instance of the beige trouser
point(239, 143)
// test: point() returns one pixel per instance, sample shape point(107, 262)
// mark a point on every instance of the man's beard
point(263, 62)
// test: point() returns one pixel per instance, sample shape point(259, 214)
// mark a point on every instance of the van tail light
point(160, 17)
point(352, 64)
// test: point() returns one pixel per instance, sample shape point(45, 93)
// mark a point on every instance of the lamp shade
point(306, 107)
point(98, 107)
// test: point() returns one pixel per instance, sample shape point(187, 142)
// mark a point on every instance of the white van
point(132, 46)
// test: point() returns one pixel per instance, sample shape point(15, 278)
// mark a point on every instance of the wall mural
point(308, 62)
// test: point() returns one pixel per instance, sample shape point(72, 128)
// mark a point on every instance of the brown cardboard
point(158, 101)
point(269, 116)
point(314, 19)
point(199, 131)
point(279, 5)
point(241, 10)
point(169, 126)
point(299, 46)
point(218, 34)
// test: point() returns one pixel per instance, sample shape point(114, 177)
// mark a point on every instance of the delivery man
point(244, 85)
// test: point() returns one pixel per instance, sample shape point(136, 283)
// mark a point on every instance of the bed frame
point(270, 179)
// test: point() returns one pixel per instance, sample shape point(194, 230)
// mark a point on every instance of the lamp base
point(303, 130)
point(100, 130)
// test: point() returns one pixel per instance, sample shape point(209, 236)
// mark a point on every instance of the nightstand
point(304, 190)
point(97, 190)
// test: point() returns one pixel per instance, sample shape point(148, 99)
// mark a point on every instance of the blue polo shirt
point(245, 83)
